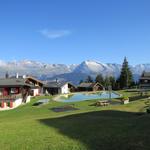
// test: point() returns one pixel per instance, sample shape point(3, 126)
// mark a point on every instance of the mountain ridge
point(72, 72)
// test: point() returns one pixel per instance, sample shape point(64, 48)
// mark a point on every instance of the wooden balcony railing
point(10, 97)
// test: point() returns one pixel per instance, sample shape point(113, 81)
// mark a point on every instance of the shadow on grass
point(137, 97)
point(132, 90)
point(105, 130)
point(64, 108)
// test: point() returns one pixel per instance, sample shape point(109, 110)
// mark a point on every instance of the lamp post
point(110, 89)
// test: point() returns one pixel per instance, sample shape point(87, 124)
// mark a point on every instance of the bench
point(102, 103)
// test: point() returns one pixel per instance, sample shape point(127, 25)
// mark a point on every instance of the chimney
point(17, 75)
point(24, 76)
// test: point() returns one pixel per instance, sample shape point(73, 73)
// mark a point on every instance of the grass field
point(118, 127)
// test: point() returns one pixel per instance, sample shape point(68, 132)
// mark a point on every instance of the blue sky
point(70, 31)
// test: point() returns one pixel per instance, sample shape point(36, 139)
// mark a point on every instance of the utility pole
point(110, 89)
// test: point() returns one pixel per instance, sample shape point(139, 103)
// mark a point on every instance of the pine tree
point(126, 78)
point(117, 84)
point(99, 78)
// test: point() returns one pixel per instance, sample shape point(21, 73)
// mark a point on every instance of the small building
point(90, 87)
point(57, 87)
point(14, 91)
point(145, 81)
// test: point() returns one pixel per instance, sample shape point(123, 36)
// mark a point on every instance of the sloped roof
point(145, 78)
point(34, 79)
point(146, 74)
point(55, 84)
point(13, 82)
point(89, 85)
point(86, 84)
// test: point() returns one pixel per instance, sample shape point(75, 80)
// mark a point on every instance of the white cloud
point(53, 34)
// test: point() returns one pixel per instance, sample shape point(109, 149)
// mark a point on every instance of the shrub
point(125, 98)
point(148, 110)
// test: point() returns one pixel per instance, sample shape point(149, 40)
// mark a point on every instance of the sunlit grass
point(115, 126)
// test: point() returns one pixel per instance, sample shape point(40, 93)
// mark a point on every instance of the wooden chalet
point(90, 87)
point(57, 87)
point(145, 81)
point(14, 91)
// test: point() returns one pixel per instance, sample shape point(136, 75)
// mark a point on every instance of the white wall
point(35, 92)
point(17, 102)
point(65, 89)
point(28, 99)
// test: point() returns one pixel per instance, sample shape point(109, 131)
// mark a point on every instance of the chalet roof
point(146, 74)
point(88, 85)
point(28, 80)
point(145, 78)
point(55, 84)
point(10, 82)
point(34, 79)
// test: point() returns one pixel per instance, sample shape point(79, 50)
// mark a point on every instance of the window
point(145, 81)
point(14, 91)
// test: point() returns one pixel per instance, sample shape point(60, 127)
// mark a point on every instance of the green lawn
point(119, 127)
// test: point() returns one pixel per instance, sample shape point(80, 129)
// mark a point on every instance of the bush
point(125, 98)
point(148, 110)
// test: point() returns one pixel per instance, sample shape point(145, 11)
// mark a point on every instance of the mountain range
point(72, 73)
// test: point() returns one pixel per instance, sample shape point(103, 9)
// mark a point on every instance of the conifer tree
point(126, 78)
point(117, 84)
point(99, 78)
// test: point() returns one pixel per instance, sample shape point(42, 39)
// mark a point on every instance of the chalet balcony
point(10, 101)
point(11, 97)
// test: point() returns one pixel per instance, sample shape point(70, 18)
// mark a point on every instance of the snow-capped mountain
point(34, 68)
point(138, 69)
point(74, 72)
point(93, 67)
